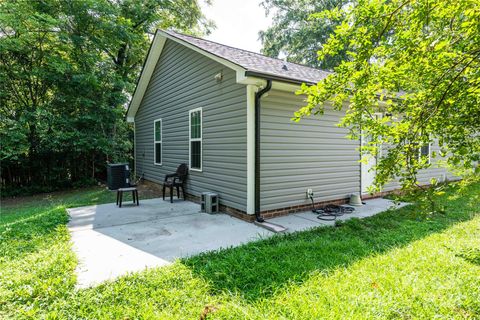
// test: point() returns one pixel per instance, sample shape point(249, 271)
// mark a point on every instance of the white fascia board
point(242, 79)
point(218, 59)
point(147, 71)
point(152, 59)
point(293, 88)
point(284, 86)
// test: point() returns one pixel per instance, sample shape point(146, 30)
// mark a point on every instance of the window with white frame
point(195, 123)
point(424, 152)
point(157, 141)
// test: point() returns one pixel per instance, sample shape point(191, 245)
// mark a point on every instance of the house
point(227, 113)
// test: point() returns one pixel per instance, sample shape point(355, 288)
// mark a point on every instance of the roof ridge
point(256, 53)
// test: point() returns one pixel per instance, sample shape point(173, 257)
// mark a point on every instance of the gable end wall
point(183, 80)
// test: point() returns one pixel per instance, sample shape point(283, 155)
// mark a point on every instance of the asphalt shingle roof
point(255, 62)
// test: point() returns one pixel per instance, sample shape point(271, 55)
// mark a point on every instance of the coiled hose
point(330, 212)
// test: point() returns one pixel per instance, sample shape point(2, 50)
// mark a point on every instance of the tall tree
point(418, 63)
point(296, 34)
point(67, 68)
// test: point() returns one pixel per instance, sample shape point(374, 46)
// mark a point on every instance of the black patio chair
point(176, 181)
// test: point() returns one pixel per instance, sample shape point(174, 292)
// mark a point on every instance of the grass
point(399, 264)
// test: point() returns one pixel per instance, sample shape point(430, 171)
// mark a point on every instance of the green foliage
point(417, 63)
point(296, 34)
point(67, 69)
point(399, 264)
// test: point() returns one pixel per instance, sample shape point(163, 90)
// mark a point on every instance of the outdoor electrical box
point(209, 202)
point(118, 175)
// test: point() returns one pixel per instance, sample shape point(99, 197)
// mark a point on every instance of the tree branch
point(390, 18)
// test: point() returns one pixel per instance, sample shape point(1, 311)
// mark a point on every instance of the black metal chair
point(176, 181)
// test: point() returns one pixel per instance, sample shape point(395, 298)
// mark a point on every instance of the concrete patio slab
point(111, 241)
point(306, 220)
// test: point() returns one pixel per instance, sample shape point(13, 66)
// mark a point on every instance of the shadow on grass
point(256, 270)
point(471, 255)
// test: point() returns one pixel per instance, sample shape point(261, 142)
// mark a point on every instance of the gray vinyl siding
point(183, 80)
point(313, 153)
point(424, 176)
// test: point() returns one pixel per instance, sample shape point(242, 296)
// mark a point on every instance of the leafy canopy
point(418, 63)
point(67, 69)
point(297, 34)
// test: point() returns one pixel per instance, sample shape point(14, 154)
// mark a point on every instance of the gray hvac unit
point(209, 202)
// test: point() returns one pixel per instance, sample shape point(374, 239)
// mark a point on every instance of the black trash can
point(118, 175)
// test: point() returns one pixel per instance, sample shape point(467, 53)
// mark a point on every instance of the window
point(424, 152)
point(195, 139)
point(157, 141)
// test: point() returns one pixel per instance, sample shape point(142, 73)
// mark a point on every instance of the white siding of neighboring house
point(424, 176)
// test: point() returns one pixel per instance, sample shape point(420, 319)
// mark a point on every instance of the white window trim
point(155, 143)
point(195, 139)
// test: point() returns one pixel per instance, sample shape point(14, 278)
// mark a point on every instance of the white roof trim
point(147, 71)
point(152, 59)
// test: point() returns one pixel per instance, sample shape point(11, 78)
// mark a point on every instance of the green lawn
point(399, 264)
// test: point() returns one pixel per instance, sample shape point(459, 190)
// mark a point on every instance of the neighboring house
point(196, 103)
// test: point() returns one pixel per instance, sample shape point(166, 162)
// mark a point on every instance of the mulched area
point(148, 189)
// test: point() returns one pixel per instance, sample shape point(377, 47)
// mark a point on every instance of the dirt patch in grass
point(146, 190)
point(7, 203)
